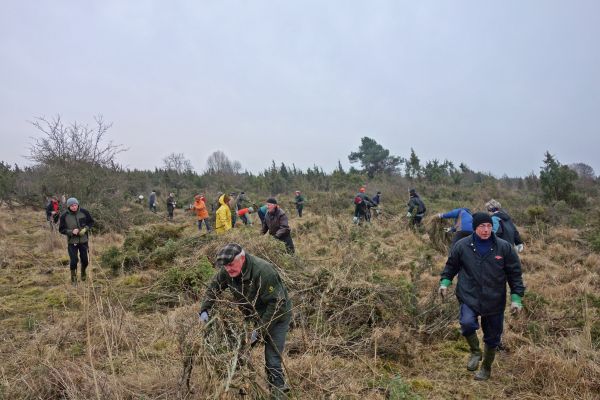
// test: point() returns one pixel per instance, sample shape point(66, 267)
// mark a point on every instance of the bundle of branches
point(349, 309)
point(440, 240)
point(218, 354)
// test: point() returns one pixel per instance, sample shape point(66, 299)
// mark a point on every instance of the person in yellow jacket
point(223, 215)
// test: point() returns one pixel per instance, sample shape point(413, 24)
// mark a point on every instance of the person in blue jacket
point(463, 223)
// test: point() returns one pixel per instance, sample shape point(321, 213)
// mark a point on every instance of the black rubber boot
point(485, 371)
point(475, 357)
point(74, 277)
point(83, 275)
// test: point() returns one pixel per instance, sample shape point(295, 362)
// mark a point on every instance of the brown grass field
point(367, 321)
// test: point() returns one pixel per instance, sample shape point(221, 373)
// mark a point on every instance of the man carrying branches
point(262, 297)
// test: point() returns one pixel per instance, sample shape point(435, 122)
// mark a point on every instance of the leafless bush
point(73, 144)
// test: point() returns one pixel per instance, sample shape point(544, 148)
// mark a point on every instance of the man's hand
point(443, 292)
point(439, 216)
point(75, 232)
point(408, 215)
point(519, 247)
point(82, 232)
point(447, 230)
point(203, 317)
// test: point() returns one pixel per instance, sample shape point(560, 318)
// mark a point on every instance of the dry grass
point(367, 323)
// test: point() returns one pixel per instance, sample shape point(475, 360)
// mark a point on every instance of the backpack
point(506, 230)
point(422, 209)
point(358, 200)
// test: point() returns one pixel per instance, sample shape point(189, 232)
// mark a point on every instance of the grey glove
point(519, 247)
point(203, 317)
point(253, 337)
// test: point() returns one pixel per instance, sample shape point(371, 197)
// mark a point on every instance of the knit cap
point(481, 218)
point(71, 201)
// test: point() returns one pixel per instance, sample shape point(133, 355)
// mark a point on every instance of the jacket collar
point(247, 268)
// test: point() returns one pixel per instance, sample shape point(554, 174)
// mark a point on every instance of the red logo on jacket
point(498, 257)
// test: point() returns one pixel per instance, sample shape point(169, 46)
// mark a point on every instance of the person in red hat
point(362, 206)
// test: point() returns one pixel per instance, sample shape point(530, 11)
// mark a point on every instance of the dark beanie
point(481, 218)
point(272, 200)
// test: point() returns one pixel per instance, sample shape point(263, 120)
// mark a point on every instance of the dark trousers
point(274, 345)
point(82, 248)
point(289, 243)
point(416, 220)
point(170, 212)
point(244, 219)
point(299, 209)
point(492, 325)
point(362, 211)
point(459, 235)
point(205, 224)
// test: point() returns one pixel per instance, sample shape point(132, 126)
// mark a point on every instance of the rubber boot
point(83, 275)
point(475, 357)
point(74, 277)
point(279, 393)
point(485, 371)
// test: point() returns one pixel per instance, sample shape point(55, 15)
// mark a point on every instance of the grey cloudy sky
point(491, 84)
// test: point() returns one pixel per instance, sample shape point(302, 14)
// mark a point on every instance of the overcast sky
point(490, 84)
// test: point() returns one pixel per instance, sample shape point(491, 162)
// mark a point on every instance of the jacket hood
point(222, 200)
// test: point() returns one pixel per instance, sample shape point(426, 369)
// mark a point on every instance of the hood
point(222, 200)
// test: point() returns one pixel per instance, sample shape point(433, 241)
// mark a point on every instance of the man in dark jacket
point(261, 295)
point(299, 202)
point(503, 226)
point(276, 223)
point(75, 223)
point(152, 201)
point(416, 208)
point(171, 203)
point(484, 264)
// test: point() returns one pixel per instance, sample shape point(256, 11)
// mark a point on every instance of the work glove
point(443, 291)
point(82, 232)
point(515, 305)
point(447, 230)
point(519, 247)
point(408, 215)
point(203, 317)
point(439, 216)
point(253, 337)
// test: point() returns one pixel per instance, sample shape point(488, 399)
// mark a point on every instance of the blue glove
point(203, 316)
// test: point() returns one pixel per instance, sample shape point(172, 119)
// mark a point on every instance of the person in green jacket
point(75, 223)
point(262, 297)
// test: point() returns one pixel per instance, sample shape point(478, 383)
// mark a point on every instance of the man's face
point(234, 268)
point(74, 207)
point(484, 231)
point(271, 207)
